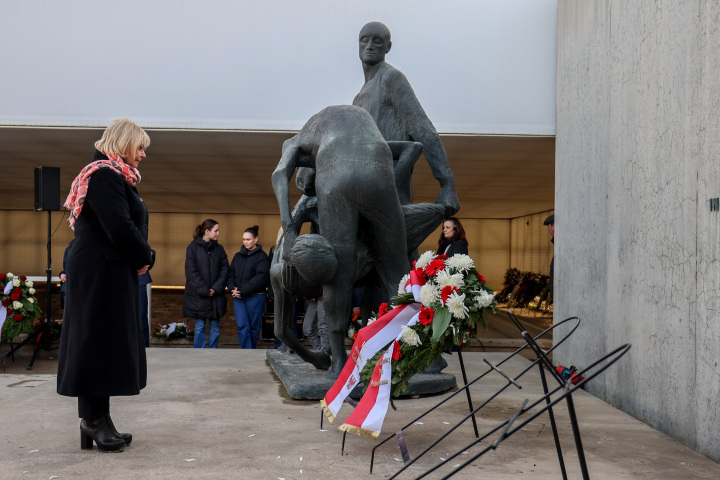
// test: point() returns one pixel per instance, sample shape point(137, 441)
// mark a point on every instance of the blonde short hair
point(122, 137)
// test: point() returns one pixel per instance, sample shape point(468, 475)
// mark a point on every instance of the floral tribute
point(172, 331)
point(20, 310)
point(438, 306)
point(454, 300)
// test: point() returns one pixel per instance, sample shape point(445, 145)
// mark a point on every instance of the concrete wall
point(637, 255)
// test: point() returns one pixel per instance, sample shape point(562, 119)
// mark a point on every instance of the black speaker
point(47, 188)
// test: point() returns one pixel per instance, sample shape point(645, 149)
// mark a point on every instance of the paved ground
point(222, 414)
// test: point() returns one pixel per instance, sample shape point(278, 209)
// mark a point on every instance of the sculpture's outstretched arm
point(421, 129)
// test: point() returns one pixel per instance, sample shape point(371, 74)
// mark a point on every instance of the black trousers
point(91, 408)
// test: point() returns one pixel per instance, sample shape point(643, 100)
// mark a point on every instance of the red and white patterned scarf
point(78, 190)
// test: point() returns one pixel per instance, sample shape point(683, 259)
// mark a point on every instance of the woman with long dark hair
point(206, 268)
point(247, 282)
point(452, 238)
point(102, 352)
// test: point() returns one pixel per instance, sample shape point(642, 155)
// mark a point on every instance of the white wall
point(637, 249)
point(476, 66)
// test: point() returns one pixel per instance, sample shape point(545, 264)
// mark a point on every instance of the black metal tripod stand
point(41, 336)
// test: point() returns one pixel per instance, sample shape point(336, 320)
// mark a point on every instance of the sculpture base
point(304, 382)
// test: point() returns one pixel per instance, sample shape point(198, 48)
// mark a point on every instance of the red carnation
point(15, 296)
point(18, 317)
point(414, 263)
point(382, 310)
point(396, 354)
point(446, 291)
point(480, 277)
point(18, 290)
point(442, 256)
point(434, 267)
point(23, 278)
point(426, 316)
point(6, 303)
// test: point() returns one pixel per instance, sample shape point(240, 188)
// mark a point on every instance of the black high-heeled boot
point(125, 436)
point(99, 431)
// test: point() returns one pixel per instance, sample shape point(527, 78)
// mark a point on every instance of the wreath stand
point(563, 392)
point(40, 337)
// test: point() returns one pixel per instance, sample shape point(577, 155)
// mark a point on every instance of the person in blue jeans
point(206, 270)
point(247, 282)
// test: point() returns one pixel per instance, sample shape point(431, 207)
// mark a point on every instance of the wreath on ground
point(20, 306)
point(454, 300)
point(172, 331)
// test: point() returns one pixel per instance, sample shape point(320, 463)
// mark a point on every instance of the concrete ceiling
point(194, 171)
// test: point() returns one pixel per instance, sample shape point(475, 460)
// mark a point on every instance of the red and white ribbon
point(368, 342)
point(369, 414)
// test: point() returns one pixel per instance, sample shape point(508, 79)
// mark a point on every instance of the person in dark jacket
point(63, 274)
point(247, 282)
point(102, 353)
point(206, 268)
point(452, 239)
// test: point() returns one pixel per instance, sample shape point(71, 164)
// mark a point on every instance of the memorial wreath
point(454, 300)
point(20, 309)
point(438, 307)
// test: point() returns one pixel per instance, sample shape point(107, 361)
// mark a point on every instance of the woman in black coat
point(206, 267)
point(102, 353)
point(247, 282)
point(452, 239)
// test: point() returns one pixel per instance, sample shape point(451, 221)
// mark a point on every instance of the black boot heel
point(86, 441)
point(99, 431)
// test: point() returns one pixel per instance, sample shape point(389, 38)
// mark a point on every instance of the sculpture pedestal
point(304, 382)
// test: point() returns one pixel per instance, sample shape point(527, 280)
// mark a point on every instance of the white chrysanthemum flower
point(401, 285)
point(31, 291)
point(460, 262)
point(444, 279)
point(456, 304)
point(429, 293)
point(409, 336)
point(16, 282)
point(29, 283)
point(370, 320)
point(16, 305)
point(9, 275)
point(484, 299)
point(425, 259)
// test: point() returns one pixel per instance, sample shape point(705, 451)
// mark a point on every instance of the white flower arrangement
point(456, 304)
point(409, 336)
point(462, 263)
point(429, 294)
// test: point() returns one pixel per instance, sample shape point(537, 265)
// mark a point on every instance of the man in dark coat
point(547, 292)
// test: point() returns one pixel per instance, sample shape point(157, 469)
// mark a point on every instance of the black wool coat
point(249, 271)
point(102, 350)
point(206, 267)
point(461, 246)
